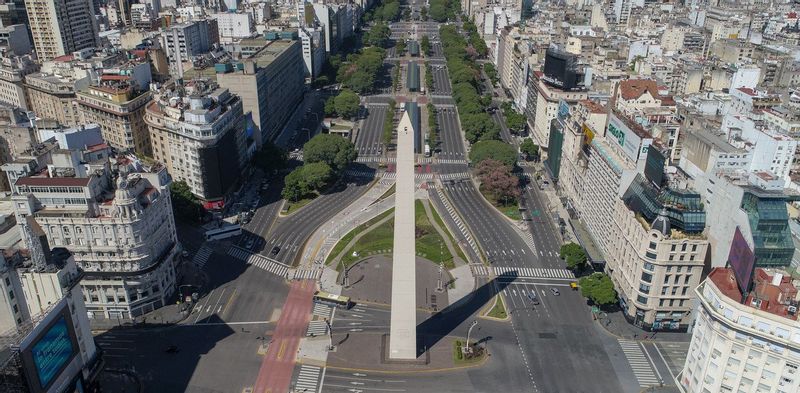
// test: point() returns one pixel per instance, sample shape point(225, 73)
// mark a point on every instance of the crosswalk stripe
point(640, 366)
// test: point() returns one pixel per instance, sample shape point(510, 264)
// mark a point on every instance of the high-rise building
point(61, 27)
point(115, 216)
point(13, 69)
point(744, 341)
point(197, 131)
point(187, 40)
point(118, 107)
point(271, 83)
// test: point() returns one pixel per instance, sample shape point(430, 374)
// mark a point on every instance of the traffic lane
point(216, 357)
point(290, 233)
point(369, 137)
point(502, 244)
point(449, 147)
point(557, 349)
point(541, 227)
point(255, 294)
point(495, 242)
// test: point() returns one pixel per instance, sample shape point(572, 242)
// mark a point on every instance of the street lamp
point(467, 348)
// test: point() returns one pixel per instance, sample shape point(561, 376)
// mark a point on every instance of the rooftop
point(632, 89)
point(773, 292)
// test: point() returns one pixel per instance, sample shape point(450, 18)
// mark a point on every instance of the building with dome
point(115, 216)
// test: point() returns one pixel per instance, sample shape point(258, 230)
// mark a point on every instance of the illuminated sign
point(52, 352)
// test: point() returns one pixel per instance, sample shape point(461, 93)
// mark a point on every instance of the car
point(172, 349)
point(250, 243)
point(533, 298)
point(573, 285)
point(555, 291)
point(275, 250)
point(185, 254)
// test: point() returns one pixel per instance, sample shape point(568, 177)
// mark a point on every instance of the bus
point(330, 299)
point(224, 232)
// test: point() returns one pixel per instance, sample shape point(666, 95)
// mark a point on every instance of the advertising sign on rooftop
point(742, 260)
point(632, 144)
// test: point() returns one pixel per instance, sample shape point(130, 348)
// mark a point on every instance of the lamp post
point(467, 348)
point(439, 286)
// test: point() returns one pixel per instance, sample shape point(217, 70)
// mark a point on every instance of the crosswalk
point(457, 220)
point(452, 161)
point(369, 159)
point(522, 272)
point(322, 311)
point(307, 379)
point(454, 176)
point(417, 176)
point(317, 328)
point(639, 364)
point(307, 274)
point(359, 173)
point(259, 261)
point(201, 257)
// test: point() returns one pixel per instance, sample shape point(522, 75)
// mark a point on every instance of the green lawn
point(380, 240)
point(350, 235)
point(510, 210)
point(499, 309)
point(290, 207)
point(459, 358)
point(449, 235)
point(386, 194)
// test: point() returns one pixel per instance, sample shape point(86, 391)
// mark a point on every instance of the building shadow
point(442, 323)
point(163, 360)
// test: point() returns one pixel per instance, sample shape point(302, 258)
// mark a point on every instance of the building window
point(641, 299)
point(644, 288)
point(647, 277)
point(650, 255)
point(664, 290)
point(679, 268)
point(648, 266)
point(686, 278)
point(666, 278)
point(652, 245)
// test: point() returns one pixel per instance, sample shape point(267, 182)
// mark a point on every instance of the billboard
point(631, 143)
point(49, 351)
point(588, 134)
point(742, 260)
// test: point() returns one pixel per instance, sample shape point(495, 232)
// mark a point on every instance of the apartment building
point(15, 37)
point(61, 27)
point(271, 84)
point(187, 40)
point(199, 137)
point(118, 107)
point(116, 218)
point(645, 220)
point(53, 96)
point(13, 69)
point(13, 310)
point(542, 106)
point(744, 342)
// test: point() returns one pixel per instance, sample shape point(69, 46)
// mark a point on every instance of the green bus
point(330, 299)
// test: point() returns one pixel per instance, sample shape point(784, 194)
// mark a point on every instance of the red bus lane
point(275, 374)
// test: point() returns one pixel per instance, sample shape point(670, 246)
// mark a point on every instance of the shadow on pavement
point(163, 360)
point(445, 321)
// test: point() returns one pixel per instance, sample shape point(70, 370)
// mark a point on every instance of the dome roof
point(662, 223)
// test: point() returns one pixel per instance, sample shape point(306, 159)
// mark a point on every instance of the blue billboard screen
point(53, 351)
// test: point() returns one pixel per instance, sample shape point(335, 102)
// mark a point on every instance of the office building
point(744, 341)
point(115, 216)
point(197, 131)
point(270, 83)
point(646, 222)
point(15, 37)
point(61, 27)
point(13, 69)
point(186, 40)
point(118, 107)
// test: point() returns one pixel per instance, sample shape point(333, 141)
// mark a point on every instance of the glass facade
point(684, 208)
point(553, 161)
point(769, 225)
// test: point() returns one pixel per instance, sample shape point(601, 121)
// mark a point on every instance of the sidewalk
point(362, 210)
point(614, 323)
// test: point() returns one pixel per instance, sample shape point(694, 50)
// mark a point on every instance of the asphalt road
point(441, 82)
point(216, 345)
point(452, 142)
point(368, 141)
point(290, 233)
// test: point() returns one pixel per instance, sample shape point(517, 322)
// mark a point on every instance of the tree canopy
point(494, 150)
point(378, 35)
point(270, 158)
point(185, 205)
point(347, 103)
point(497, 181)
point(333, 150)
point(305, 180)
point(425, 44)
point(529, 149)
point(598, 288)
point(359, 70)
point(574, 255)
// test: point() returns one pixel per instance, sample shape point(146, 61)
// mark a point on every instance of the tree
point(495, 150)
point(574, 255)
point(184, 204)
point(270, 158)
point(347, 104)
point(306, 180)
point(425, 44)
point(388, 124)
point(598, 288)
point(378, 35)
point(423, 13)
point(498, 181)
point(529, 149)
point(330, 106)
point(333, 150)
point(491, 72)
point(400, 46)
